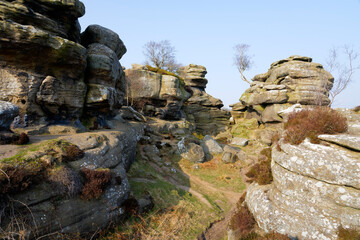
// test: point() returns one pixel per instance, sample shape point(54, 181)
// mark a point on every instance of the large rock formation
point(316, 189)
point(44, 68)
point(42, 65)
point(203, 109)
point(155, 94)
point(289, 81)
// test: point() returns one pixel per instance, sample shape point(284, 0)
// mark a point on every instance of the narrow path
point(233, 197)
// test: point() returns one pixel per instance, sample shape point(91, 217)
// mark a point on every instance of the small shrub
point(275, 141)
point(131, 206)
point(261, 171)
point(348, 234)
point(242, 222)
point(95, 182)
point(23, 139)
point(73, 153)
point(310, 123)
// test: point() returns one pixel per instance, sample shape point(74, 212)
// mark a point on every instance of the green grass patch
point(221, 175)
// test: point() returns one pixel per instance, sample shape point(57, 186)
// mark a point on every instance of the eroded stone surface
point(316, 190)
point(345, 140)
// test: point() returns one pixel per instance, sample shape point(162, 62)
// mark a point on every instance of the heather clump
point(95, 182)
point(310, 123)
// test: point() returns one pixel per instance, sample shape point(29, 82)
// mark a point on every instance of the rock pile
point(289, 81)
point(315, 189)
point(203, 109)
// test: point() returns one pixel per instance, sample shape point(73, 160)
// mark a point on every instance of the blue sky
point(205, 32)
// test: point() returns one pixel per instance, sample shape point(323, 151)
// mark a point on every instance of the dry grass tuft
point(65, 180)
point(348, 234)
point(310, 123)
point(95, 182)
point(160, 225)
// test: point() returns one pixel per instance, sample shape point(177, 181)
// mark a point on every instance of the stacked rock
point(203, 109)
point(105, 77)
point(289, 81)
point(194, 76)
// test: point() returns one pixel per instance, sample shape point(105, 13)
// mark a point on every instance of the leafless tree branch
point(343, 72)
point(242, 60)
point(161, 55)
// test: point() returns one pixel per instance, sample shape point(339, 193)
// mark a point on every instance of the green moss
point(242, 128)
point(258, 108)
point(161, 71)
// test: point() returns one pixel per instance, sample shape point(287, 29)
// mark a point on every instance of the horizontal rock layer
point(316, 190)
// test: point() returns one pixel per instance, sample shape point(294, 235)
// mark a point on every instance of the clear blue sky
point(204, 32)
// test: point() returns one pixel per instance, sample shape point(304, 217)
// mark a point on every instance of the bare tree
point(242, 60)
point(161, 55)
point(343, 72)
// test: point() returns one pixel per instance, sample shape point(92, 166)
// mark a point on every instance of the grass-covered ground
point(187, 199)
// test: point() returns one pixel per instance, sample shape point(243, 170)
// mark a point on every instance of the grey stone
point(102, 35)
point(212, 146)
point(352, 142)
point(8, 112)
point(315, 190)
point(242, 142)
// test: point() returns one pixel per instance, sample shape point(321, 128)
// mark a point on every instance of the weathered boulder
point(56, 203)
point(191, 151)
point(233, 154)
point(155, 94)
point(203, 109)
point(8, 112)
point(289, 81)
point(54, 94)
point(210, 146)
point(102, 35)
point(314, 192)
point(103, 66)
